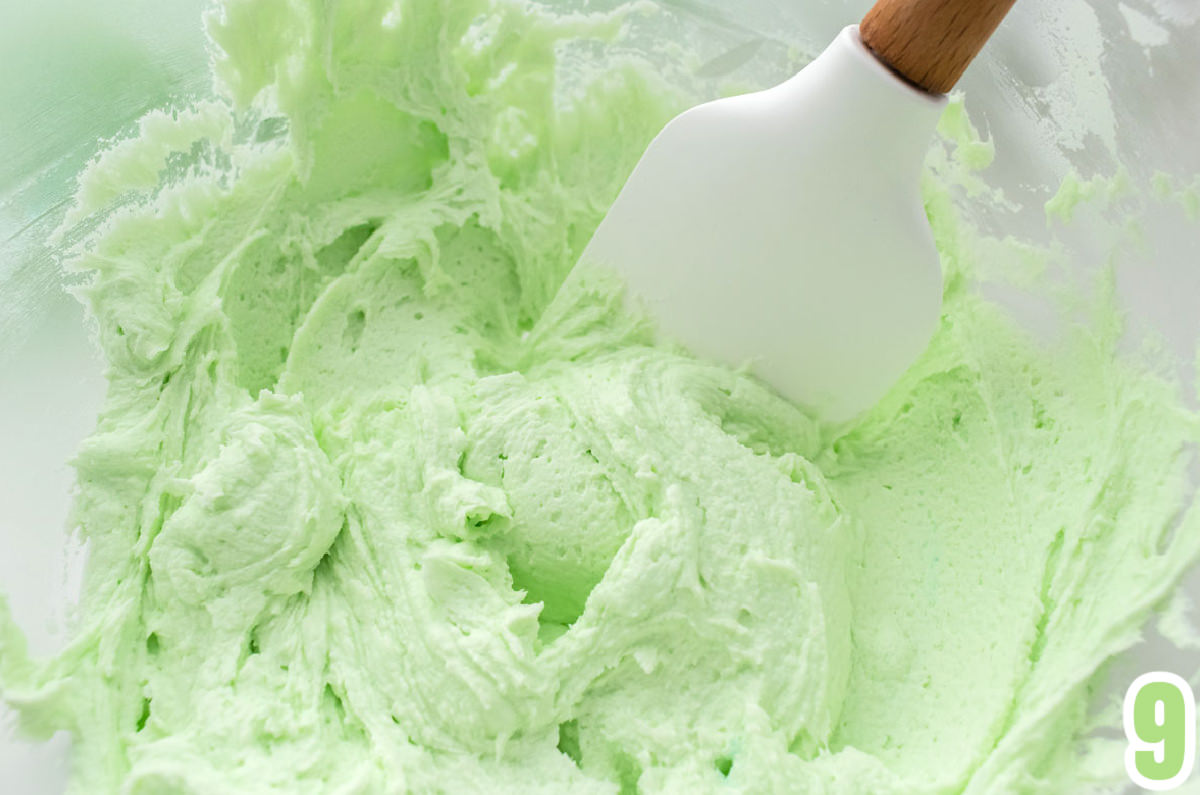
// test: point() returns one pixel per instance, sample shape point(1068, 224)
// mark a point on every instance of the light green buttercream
point(373, 507)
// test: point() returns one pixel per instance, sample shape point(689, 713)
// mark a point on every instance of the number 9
point(1160, 724)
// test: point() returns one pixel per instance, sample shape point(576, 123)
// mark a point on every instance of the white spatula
point(785, 228)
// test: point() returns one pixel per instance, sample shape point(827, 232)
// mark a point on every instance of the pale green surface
point(353, 436)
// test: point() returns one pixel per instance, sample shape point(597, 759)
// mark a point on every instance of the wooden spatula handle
point(930, 42)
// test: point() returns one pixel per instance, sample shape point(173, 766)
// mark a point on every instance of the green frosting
point(374, 507)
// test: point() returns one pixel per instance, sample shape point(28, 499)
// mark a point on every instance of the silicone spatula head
point(784, 229)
